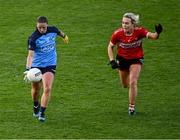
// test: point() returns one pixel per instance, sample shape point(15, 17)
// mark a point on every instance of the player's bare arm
point(110, 51)
point(28, 64)
point(113, 63)
point(29, 58)
point(64, 36)
point(152, 36)
point(156, 34)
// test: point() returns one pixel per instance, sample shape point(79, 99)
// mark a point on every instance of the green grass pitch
point(87, 100)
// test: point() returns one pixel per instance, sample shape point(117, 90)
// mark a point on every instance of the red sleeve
point(143, 32)
point(114, 38)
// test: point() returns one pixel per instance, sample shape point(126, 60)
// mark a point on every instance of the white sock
point(131, 107)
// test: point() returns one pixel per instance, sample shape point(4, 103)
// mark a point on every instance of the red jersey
point(129, 47)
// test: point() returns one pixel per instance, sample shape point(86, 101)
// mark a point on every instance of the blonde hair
point(134, 18)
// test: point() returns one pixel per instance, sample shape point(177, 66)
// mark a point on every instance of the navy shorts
point(124, 64)
point(47, 69)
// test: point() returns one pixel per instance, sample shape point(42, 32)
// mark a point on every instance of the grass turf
point(87, 100)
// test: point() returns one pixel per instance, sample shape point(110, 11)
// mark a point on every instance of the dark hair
point(42, 19)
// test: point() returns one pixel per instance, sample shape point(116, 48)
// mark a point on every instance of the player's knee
point(133, 83)
point(47, 89)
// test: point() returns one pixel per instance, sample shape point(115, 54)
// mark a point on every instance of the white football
point(34, 75)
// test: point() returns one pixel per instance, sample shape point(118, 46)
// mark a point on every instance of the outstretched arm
point(65, 37)
point(156, 34)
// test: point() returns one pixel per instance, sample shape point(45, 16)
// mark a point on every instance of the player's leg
point(123, 71)
point(35, 92)
point(47, 80)
point(134, 72)
point(124, 76)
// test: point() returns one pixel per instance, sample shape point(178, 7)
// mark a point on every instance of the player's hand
point(158, 28)
point(25, 76)
point(66, 39)
point(114, 64)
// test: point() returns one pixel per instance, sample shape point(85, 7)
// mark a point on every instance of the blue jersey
point(44, 47)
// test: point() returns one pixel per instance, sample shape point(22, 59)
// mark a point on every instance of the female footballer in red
point(129, 59)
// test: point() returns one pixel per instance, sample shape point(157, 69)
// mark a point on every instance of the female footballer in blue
point(42, 55)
